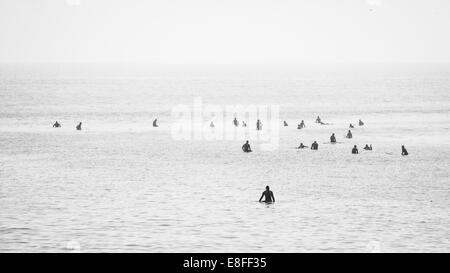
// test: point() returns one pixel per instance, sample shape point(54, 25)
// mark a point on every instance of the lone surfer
point(285, 124)
point(360, 123)
point(404, 151)
point(155, 124)
point(56, 125)
point(268, 196)
point(246, 147)
point(79, 126)
point(355, 150)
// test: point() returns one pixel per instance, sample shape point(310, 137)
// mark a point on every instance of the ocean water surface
point(122, 185)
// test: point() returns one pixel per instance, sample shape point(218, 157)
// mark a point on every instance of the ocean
point(120, 184)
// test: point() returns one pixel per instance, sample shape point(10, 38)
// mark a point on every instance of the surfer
point(56, 125)
point(258, 125)
point(236, 122)
point(211, 124)
point(302, 124)
point(349, 134)
point(268, 196)
point(318, 120)
point(355, 150)
point(360, 123)
point(244, 124)
point(315, 146)
point(302, 146)
point(351, 126)
point(155, 123)
point(367, 148)
point(333, 138)
point(285, 124)
point(79, 126)
point(246, 147)
point(404, 151)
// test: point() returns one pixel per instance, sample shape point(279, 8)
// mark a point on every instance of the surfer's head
point(267, 187)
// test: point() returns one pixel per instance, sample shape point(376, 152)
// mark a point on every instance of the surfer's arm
point(262, 195)
point(273, 197)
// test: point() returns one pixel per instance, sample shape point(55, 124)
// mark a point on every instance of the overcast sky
point(225, 31)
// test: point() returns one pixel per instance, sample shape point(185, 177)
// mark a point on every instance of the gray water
point(121, 185)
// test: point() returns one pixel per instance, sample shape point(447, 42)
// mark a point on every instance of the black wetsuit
point(246, 148)
point(333, 139)
point(268, 196)
point(404, 151)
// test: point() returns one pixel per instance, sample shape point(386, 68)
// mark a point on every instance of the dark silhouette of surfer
point(404, 151)
point(236, 122)
point(155, 124)
point(301, 125)
point(333, 138)
point(246, 147)
point(355, 150)
point(56, 125)
point(349, 134)
point(302, 146)
point(315, 146)
point(285, 124)
point(318, 120)
point(268, 196)
point(79, 126)
point(258, 125)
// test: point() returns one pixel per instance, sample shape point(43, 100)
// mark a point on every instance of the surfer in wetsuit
point(246, 147)
point(355, 150)
point(315, 146)
point(236, 122)
point(349, 134)
point(56, 125)
point(258, 125)
point(285, 124)
point(155, 123)
point(302, 124)
point(268, 196)
point(318, 120)
point(360, 123)
point(367, 148)
point(351, 126)
point(244, 124)
point(404, 151)
point(79, 126)
point(302, 146)
point(333, 138)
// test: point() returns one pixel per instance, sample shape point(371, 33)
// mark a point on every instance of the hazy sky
point(225, 31)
